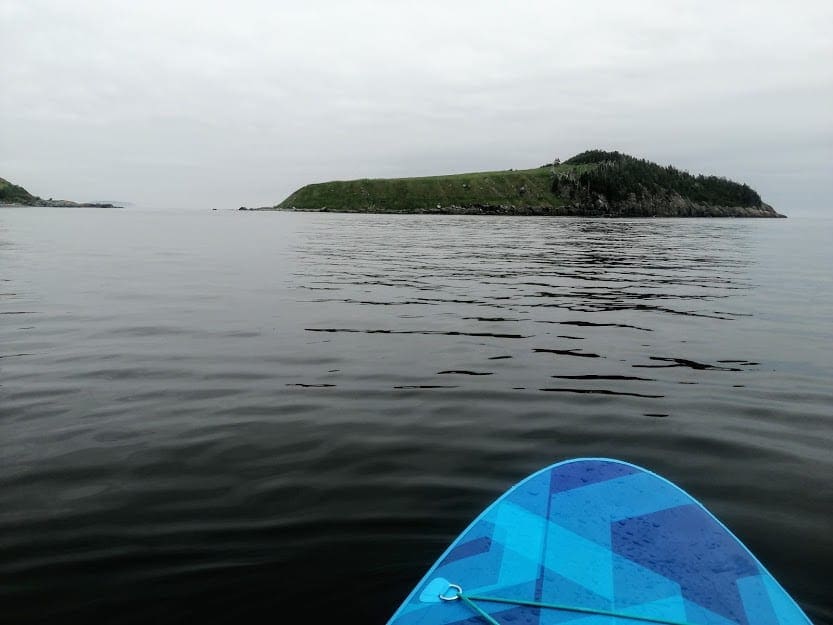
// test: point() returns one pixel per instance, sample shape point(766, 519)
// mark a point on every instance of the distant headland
point(595, 183)
point(14, 195)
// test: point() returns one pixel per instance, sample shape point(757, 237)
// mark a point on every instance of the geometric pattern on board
point(600, 534)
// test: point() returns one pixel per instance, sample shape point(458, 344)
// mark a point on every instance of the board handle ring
point(457, 592)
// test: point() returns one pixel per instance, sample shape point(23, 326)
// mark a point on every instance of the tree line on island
point(618, 176)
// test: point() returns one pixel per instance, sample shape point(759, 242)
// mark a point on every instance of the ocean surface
point(227, 417)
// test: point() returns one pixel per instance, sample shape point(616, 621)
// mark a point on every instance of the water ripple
point(194, 436)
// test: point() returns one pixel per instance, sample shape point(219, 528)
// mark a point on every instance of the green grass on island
point(409, 194)
point(14, 194)
point(487, 188)
point(595, 183)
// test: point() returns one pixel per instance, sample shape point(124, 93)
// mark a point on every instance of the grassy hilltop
point(12, 194)
point(490, 188)
point(593, 183)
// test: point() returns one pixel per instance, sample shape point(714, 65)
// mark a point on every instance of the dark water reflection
point(209, 417)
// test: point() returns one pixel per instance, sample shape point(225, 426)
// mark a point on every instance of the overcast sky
point(204, 104)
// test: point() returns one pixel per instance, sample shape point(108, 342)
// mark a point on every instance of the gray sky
point(205, 104)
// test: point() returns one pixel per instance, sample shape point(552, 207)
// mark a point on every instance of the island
point(595, 183)
point(15, 195)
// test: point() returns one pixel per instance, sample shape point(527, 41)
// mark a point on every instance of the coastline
point(60, 204)
point(693, 211)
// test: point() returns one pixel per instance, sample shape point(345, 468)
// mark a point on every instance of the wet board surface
point(608, 538)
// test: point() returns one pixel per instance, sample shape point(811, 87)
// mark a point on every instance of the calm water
point(216, 416)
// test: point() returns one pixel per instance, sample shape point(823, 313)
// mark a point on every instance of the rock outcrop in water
point(15, 195)
point(591, 184)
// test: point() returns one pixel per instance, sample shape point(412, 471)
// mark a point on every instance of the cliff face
point(592, 184)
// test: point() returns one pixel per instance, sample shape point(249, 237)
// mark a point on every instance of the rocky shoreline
point(61, 204)
point(653, 208)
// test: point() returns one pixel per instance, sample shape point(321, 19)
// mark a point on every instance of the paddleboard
point(597, 541)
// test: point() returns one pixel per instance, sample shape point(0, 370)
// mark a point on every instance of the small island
point(15, 195)
point(595, 183)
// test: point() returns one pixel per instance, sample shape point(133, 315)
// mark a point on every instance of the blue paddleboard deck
point(598, 541)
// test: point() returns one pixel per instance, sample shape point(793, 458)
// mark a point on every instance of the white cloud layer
point(207, 104)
